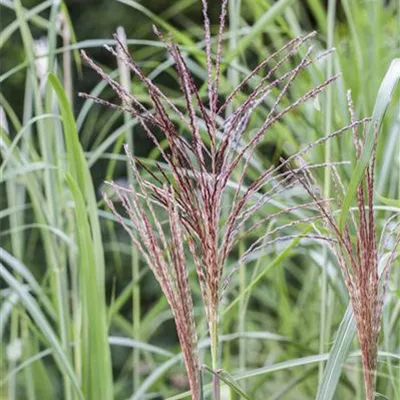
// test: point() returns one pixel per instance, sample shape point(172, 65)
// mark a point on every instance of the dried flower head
point(365, 262)
point(165, 255)
point(198, 168)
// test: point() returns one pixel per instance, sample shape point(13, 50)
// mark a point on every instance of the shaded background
point(96, 19)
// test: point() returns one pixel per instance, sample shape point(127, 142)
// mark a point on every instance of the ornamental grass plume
point(165, 255)
point(364, 261)
point(208, 141)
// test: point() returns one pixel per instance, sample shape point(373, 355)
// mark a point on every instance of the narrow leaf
point(229, 381)
point(382, 103)
point(41, 322)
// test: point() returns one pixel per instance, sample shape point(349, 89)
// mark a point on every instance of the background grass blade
point(41, 321)
point(229, 381)
point(96, 363)
point(382, 103)
point(20, 269)
point(337, 356)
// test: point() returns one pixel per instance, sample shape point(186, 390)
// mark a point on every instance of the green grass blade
point(75, 156)
point(77, 58)
point(80, 172)
point(25, 170)
point(14, 26)
point(97, 373)
point(5, 312)
point(20, 269)
point(278, 259)
point(41, 322)
point(8, 211)
point(184, 39)
point(298, 362)
point(137, 344)
point(13, 71)
point(36, 19)
point(229, 381)
point(154, 376)
point(18, 137)
point(382, 103)
point(389, 202)
point(97, 360)
point(337, 356)
point(258, 28)
point(54, 230)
